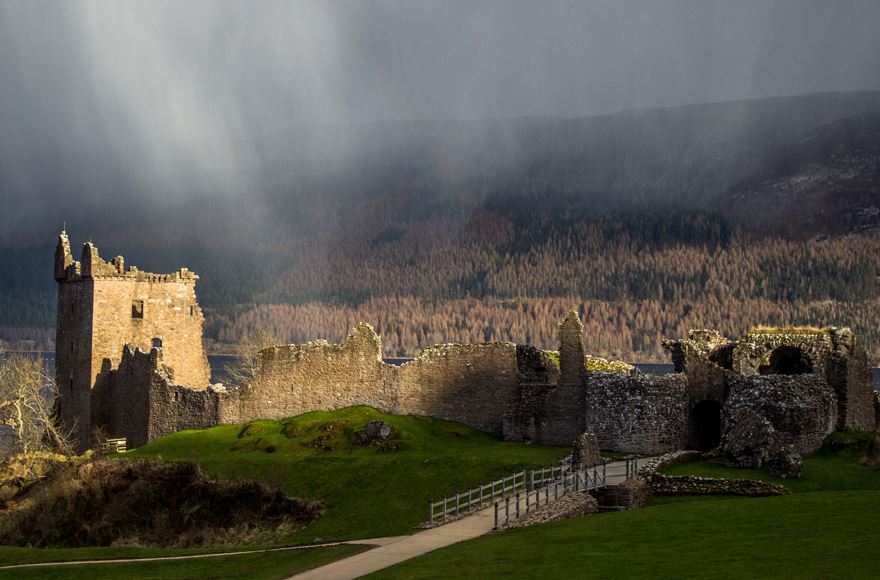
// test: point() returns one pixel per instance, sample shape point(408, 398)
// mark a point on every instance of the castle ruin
point(130, 362)
point(102, 307)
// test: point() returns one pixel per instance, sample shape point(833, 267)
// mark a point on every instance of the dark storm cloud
point(122, 98)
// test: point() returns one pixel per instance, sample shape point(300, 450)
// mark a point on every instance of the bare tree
point(27, 395)
point(242, 369)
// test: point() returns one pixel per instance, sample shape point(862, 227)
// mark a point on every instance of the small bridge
point(527, 490)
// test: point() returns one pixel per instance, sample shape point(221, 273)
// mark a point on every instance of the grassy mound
point(369, 490)
point(144, 502)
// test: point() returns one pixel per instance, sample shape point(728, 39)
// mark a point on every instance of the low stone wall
point(658, 464)
point(568, 506)
point(661, 484)
point(694, 485)
point(631, 494)
point(637, 413)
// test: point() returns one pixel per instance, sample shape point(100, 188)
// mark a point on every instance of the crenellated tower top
point(91, 265)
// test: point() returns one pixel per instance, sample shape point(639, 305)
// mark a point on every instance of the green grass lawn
point(808, 535)
point(826, 528)
point(256, 566)
point(368, 492)
point(835, 467)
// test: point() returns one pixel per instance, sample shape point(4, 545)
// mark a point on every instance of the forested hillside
point(650, 222)
point(636, 280)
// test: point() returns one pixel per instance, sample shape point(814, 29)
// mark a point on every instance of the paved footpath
point(408, 547)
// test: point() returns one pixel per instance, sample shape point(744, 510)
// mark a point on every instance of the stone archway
point(787, 360)
point(705, 425)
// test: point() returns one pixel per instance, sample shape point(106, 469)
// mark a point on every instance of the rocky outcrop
point(375, 433)
point(785, 463)
point(871, 458)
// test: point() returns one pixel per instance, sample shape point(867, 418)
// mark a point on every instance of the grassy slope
point(826, 528)
point(256, 566)
point(367, 493)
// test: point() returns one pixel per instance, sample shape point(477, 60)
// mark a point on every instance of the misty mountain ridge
point(691, 156)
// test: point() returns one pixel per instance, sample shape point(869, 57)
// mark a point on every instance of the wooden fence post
point(496, 516)
point(517, 505)
point(507, 510)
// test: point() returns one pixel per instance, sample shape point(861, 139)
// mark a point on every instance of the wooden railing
point(483, 495)
point(520, 504)
point(523, 488)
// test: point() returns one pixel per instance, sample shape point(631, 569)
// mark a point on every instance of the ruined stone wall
point(754, 351)
point(473, 384)
point(174, 408)
point(855, 389)
point(170, 313)
point(293, 379)
point(144, 403)
point(73, 372)
point(535, 366)
point(704, 358)
point(711, 362)
point(468, 383)
point(802, 409)
point(572, 367)
point(637, 413)
point(546, 414)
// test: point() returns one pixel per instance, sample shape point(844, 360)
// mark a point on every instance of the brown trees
point(27, 395)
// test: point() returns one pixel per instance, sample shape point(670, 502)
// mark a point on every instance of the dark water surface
point(219, 361)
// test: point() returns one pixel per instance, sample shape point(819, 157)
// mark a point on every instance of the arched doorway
point(706, 425)
point(787, 360)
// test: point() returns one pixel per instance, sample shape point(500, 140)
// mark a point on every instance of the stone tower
point(101, 308)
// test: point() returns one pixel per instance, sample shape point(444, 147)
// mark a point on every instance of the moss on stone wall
point(595, 363)
point(788, 330)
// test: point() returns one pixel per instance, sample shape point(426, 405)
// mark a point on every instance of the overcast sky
point(108, 77)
